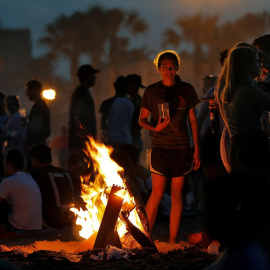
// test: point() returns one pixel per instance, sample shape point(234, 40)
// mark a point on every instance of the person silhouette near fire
point(57, 189)
point(39, 120)
point(82, 117)
point(134, 84)
point(117, 113)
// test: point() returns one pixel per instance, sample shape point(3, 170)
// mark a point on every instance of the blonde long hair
point(164, 54)
point(235, 72)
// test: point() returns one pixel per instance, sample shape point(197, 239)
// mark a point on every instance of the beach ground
point(56, 250)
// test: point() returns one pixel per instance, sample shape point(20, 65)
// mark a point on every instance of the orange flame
point(108, 173)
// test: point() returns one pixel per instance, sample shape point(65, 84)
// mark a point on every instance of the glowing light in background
point(49, 94)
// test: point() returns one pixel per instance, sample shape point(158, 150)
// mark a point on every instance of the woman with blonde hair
point(241, 105)
point(170, 156)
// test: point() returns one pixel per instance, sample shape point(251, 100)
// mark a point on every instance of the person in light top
point(21, 193)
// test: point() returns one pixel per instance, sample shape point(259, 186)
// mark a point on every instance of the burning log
point(137, 234)
point(107, 235)
point(132, 181)
point(144, 220)
point(103, 217)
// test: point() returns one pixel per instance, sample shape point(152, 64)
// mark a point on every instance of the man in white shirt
point(117, 115)
point(22, 195)
point(120, 114)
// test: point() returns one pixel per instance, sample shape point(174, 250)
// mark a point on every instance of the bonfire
point(114, 226)
point(112, 213)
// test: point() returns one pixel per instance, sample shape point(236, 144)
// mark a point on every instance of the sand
point(55, 250)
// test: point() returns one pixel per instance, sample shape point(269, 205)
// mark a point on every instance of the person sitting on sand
point(56, 186)
point(21, 194)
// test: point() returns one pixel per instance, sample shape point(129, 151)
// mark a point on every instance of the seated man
point(21, 194)
point(56, 188)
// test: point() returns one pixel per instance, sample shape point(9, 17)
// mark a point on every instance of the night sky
point(159, 14)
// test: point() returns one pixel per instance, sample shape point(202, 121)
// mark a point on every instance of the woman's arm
point(194, 129)
point(143, 121)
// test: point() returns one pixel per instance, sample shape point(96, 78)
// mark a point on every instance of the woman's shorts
point(170, 162)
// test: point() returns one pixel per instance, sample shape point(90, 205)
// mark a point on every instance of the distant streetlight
point(49, 94)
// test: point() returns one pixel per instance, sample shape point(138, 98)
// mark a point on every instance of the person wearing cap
point(82, 118)
point(134, 84)
point(117, 113)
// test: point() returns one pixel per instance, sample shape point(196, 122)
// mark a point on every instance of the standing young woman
point(170, 150)
point(242, 104)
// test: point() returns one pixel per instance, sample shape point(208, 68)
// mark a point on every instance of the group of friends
point(34, 194)
point(119, 114)
point(36, 201)
point(236, 192)
point(48, 192)
point(241, 96)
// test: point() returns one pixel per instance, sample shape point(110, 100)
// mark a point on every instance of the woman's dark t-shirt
point(181, 98)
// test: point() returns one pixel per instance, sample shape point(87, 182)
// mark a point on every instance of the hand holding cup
point(164, 116)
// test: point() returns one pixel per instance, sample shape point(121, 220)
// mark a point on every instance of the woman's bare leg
point(177, 206)
point(158, 189)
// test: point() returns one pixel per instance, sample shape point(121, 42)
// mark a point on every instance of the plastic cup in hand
point(163, 109)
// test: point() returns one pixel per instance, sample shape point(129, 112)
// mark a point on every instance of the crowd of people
point(226, 137)
point(27, 173)
point(236, 195)
point(34, 194)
